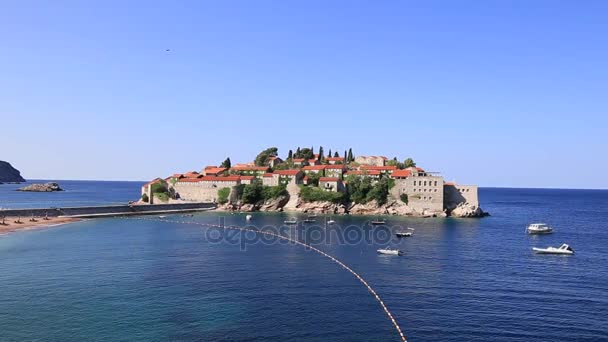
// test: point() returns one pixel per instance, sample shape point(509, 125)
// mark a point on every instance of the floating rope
point(343, 265)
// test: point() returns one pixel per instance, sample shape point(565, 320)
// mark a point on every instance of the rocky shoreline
point(283, 204)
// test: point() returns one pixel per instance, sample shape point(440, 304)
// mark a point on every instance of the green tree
point(290, 155)
point(379, 191)
point(345, 157)
point(226, 163)
point(252, 193)
point(336, 155)
point(306, 153)
point(409, 162)
point(350, 155)
point(313, 178)
point(329, 154)
point(321, 155)
point(222, 195)
point(262, 158)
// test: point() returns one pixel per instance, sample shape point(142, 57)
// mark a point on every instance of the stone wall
point(197, 191)
point(455, 194)
point(111, 209)
point(425, 193)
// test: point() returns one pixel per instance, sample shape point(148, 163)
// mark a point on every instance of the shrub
point(314, 194)
point(404, 198)
point(222, 195)
point(145, 198)
point(252, 193)
point(162, 196)
point(272, 192)
point(379, 192)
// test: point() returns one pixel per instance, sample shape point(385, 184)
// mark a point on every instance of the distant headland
point(309, 182)
point(8, 174)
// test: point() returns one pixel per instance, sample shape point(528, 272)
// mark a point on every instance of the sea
point(181, 278)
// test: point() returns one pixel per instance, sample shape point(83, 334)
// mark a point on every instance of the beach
point(12, 224)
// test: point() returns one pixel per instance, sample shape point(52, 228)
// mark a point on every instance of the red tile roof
point(329, 179)
point(334, 158)
point(334, 167)
point(298, 160)
point(249, 168)
point(212, 170)
point(212, 179)
point(314, 167)
point(364, 172)
point(286, 172)
point(266, 175)
point(449, 183)
point(247, 177)
point(153, 181)
point(401, 173)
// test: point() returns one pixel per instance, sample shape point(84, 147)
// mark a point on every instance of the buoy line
point(340, 263)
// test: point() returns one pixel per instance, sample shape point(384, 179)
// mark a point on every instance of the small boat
point(310, 220)
point(162, 216)
point(563, 249)
point(539, 228)
point(404, 234)
point(248, 217)
point(331, 221)
point(378, 222)
point(390, 251)
point(291, 221)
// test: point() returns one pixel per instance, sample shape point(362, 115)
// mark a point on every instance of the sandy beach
point(12, 224)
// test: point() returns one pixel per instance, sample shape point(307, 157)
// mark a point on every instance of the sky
point(494, 93)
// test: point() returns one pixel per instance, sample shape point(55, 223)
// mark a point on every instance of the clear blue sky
point(497, 93)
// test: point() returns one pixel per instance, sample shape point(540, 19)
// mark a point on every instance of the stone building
point(455, 194)
point(371, 160)
point(424, 190)
point(335, 160)
point(284, 177)
point(334, 170)
point(203, 189)
point(385, 170)
point(248, 170)
point(331, 184)
point(318, 169)
point(146, 189)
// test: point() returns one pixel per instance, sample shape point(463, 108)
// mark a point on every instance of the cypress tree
point(321, 156)
point(329, 154)
point(336, 155)
point(290, 155)
point(350, 155)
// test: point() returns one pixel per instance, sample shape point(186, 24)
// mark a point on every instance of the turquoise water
point(459, 280)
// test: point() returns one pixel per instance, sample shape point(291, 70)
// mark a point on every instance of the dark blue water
point(76, 194)
point(460, 279)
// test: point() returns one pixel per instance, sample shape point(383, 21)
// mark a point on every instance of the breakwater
point(110, 210)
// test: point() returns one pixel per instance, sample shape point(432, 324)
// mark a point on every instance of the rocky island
point(311, 182)
point(8, 174)
point(46, 187)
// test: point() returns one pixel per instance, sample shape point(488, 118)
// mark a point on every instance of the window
point(424, 183)
point(435, 183)
point(430, 198)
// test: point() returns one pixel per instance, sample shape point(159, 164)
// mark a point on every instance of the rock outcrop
point(47, 187)
point(8, 174)
point(467, 210)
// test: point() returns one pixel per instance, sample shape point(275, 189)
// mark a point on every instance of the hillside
point(9, 173)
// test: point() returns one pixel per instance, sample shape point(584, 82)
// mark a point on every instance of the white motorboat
point(539, 228)
point(162, 216)
point(390, 251)
point(291, 221)
point(377, 222)
point(249, 217)
point(331, 221)
point(404, 234)
point(563, 249)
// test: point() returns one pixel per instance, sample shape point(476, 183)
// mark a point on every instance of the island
point(8, 174)
point(309, 182)
point(46, 187)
